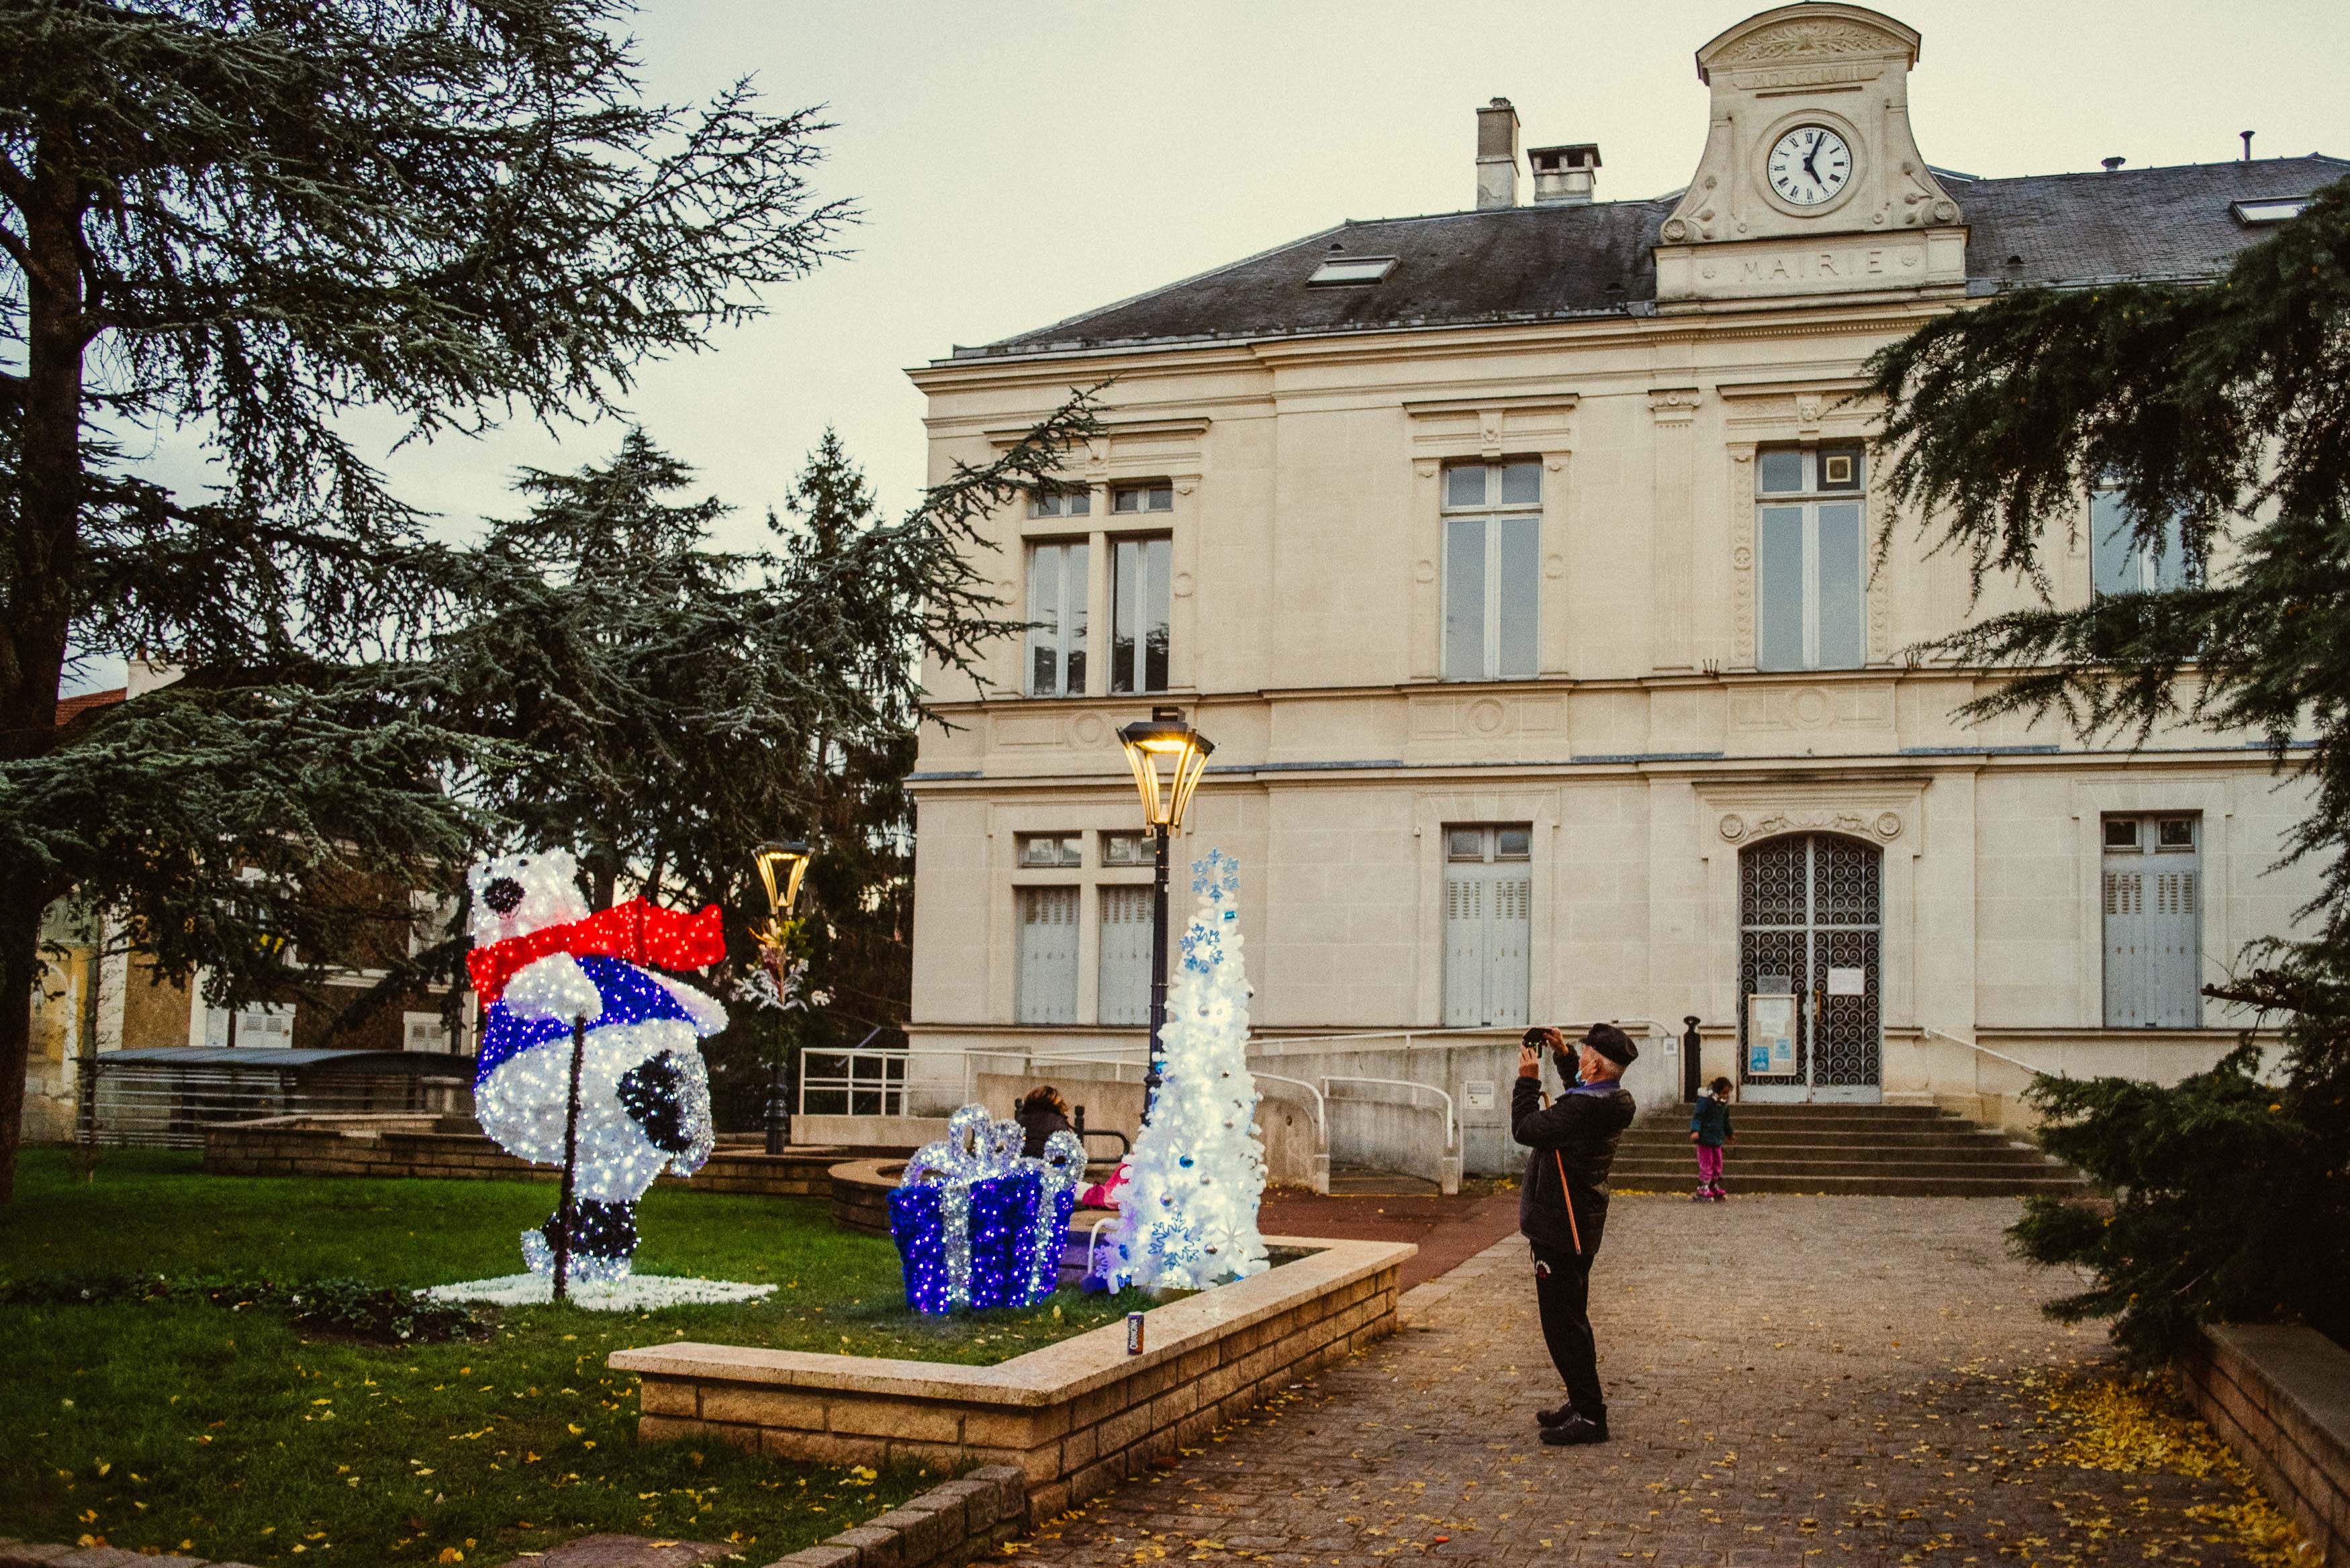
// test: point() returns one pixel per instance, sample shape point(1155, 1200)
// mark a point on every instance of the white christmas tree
point(1186, 1213)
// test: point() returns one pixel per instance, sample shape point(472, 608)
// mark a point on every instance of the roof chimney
point(1497, 155)
point(147, 670)
point(1565, 175)
point(2248, 144)
point(2111, 163)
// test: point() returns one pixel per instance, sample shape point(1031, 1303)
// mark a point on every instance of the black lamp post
point(1167, 756)
point(781, 869)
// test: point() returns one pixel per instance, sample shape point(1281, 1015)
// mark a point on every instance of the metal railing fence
point(144, 1106)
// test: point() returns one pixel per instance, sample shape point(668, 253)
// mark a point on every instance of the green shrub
point(2227, 1202)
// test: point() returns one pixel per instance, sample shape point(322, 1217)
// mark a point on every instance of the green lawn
point(165, 1423)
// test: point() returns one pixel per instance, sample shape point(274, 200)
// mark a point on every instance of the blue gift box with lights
point(977, 1225)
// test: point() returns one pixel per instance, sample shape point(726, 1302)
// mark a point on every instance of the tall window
point(1488, 925)
point(1811, 537)
point(1047, 955)
point(2154, 922)
point(1492, 569)
point(1125, 955)
point(1137, 650)
point(1056, 617)
point(2122, 563)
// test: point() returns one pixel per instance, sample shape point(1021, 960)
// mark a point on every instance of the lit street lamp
point(781, 869)
point(1167, 756)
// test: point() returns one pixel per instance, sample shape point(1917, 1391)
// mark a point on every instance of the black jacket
point(1576, 1135)
point(1039, 1125)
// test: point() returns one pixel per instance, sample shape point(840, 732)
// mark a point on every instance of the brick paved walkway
point(1791, 1381)
point(1448, 1231)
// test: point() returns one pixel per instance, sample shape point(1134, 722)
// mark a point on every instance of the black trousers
point(1563, 1292)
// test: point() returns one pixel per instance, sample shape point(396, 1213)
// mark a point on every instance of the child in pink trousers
point(1710, 1129)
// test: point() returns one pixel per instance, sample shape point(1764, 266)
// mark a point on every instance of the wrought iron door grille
point(1809, 908)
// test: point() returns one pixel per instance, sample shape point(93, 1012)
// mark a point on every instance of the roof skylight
point(2279, 210)
point(1342, 269)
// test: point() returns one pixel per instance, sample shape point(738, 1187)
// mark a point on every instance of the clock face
point(1809, 165)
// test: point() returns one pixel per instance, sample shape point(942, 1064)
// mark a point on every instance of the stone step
point(1745, 1123)
point(1942, 1144)
point(1630, 1170)
point(1664, 1137)
point(1830, 1164)
point(1796, 1111)
point(1874, 1186)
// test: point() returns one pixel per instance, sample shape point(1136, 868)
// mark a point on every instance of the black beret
point(1613, 1044)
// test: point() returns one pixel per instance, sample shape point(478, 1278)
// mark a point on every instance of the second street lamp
point(1167, 756)
point(781, 869)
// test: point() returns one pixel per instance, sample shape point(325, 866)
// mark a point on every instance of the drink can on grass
point(1134, 1333)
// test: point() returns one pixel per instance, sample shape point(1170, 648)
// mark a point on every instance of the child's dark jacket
point(1710, 1120)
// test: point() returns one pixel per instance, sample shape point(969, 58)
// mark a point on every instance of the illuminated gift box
point(979, 1225)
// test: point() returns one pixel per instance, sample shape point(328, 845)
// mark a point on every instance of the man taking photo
point(1562, 1206)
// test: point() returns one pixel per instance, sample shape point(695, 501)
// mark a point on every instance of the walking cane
point(1564, 1196)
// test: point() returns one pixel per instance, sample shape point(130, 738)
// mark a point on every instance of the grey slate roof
point(1539, 264)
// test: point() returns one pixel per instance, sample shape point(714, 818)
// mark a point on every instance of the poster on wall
point(1843, 982)
point(1770, 1033)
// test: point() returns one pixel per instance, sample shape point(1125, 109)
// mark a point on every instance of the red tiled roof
point(72, 708)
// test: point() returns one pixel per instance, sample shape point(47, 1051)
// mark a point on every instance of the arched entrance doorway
point(1810, 990)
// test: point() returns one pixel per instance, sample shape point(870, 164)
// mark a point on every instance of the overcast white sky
point(1023, 161)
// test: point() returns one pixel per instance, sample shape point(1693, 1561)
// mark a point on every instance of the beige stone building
point(1517, 561)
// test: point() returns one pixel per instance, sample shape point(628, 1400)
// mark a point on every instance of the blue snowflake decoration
point(1216, 877)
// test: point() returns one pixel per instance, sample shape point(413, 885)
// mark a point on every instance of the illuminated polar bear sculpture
point(539, 962)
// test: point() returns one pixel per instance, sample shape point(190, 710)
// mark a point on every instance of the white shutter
point(1126, 955)
point(2154, 937)
point(2125, 984)
point(1464, 946)
point(1508, 939)
point(270, 1025)
point(2173, 960)
point(1047, 956)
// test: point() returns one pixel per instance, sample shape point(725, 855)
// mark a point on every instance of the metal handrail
point(1402, 1084)
point(1321, 1115)
point(1997, 1056)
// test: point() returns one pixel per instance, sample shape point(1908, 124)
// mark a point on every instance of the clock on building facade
point(1810, 165)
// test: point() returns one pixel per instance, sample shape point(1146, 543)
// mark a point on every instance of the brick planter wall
point(860, 1192)
point(1074, 1418)
point(952, 1523)
point(2280, 1396)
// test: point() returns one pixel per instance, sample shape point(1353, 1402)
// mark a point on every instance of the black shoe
point(1558, 1418)
point(1575, 1430)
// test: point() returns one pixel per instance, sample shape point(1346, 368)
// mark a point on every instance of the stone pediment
point(1804, 39)
point(1870, 216)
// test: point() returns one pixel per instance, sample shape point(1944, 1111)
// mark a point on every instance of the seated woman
point(1042, 1114)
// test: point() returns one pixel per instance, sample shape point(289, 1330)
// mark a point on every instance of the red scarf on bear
point(635, 931)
